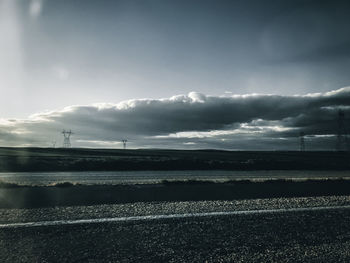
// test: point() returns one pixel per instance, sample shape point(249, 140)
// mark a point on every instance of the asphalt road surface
point(263, 230)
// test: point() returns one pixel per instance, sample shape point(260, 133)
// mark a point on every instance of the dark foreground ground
point(80, 159)
point(304, 236)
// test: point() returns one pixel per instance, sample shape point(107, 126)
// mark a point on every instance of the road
point(262, 230)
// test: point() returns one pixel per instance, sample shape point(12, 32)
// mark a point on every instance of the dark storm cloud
point(309, 31)
point(193, 120)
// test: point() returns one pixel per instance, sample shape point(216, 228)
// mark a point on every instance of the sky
point(239, 75)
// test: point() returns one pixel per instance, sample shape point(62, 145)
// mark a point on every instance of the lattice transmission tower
point(342, 139)
point(302, 141)
point(124, 141)
point(66, 138)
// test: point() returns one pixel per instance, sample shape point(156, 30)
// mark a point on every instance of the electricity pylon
point(124, 143)
point(302, 141)
point(66, 138)
point(342, 140)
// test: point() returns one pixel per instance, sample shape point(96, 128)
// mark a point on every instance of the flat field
point(84, 159)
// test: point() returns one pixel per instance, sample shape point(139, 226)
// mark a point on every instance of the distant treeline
point(49, 159)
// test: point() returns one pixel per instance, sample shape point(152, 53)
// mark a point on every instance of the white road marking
point(169, 216)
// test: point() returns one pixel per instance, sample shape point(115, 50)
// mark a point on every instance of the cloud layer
point(252, 122)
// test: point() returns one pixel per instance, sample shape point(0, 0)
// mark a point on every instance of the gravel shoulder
point(308, 236)
point(163, 208)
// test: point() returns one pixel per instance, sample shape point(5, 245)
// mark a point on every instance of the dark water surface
point(142, 177)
